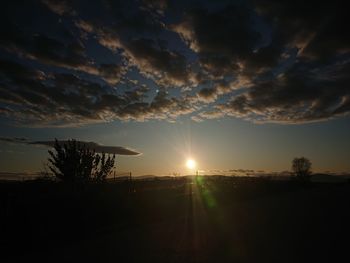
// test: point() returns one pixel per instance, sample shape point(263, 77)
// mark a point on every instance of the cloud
point(151, 57)
point(13, 140)
point(318, 34)
point(50, 51)
point(161, 107)
point(32, 96)
point(262, 61)
point(300, 95)
point(169, 67)
point(221, 87)
point(312, 88)
point(222, 38)
point(64, 99)
point(60, 7)
point(92, 145)
point(208, 94)
point(158, 6)
point(111, 73)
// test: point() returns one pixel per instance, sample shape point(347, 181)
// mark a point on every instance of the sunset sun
point(190, 164)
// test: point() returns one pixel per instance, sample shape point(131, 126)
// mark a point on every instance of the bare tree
point(302, 168)
point(72, 162)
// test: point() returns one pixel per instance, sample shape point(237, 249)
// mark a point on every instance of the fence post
point(130, 183)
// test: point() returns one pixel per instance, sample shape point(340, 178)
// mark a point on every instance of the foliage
point(302, 168)
point(74, 162)
point(106, 164)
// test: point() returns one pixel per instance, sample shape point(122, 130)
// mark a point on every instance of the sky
point(232, 84)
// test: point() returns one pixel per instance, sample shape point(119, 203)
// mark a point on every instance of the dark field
point(204, 219)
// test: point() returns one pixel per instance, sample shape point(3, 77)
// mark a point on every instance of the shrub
point(74, 162)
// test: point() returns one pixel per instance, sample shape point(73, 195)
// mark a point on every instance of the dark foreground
point(184, 220)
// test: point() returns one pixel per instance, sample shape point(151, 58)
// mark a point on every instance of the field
point(190, 219)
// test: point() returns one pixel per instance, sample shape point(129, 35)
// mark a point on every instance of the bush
point(74, 162)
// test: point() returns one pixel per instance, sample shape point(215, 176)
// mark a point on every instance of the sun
point(190, 164)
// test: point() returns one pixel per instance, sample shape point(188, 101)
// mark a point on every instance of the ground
point(193, 219)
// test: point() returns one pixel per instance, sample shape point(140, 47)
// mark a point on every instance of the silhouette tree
point(74, 162)
point(302, 168)
point(104, 166)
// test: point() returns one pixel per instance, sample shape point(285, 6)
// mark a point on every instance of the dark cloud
point(223, 38)
point(111, 73)
point(150, 56)
point(136, 16)
point(301, 94)
point(157, 5)
point(62, 63)
point(65, 99)
point(315, 28)
point(13, 140)
point(161, 107)
point(208, 94)
point(50, 51)
point(91, 145)
point(41, 47)
point(169, 67)
point(207, 32)
point(220, 88)
point(60, 7)
point(49, 99)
